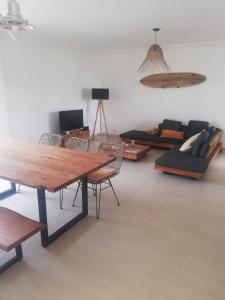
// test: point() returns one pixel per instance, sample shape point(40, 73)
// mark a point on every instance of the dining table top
point(46, 167)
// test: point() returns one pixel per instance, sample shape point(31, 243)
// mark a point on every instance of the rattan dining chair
point(76, 144)
point(49, 139)
point(101, 179)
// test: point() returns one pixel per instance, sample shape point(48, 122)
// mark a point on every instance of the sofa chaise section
point(185, 163)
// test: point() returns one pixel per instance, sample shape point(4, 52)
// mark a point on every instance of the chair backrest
point(75, 143)
point(51, 139)
point(115, 150)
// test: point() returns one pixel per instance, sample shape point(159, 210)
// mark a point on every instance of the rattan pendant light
point(160, 75)
point(155, 61)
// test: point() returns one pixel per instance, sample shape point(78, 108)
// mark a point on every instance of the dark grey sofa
point(192, 164)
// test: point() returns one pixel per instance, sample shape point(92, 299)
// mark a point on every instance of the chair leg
point(79, 186)
point(61, 198)
point(93, 189)
point(114, 192)
point(96, 198)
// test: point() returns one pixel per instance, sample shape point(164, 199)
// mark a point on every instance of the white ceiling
point(125, 24)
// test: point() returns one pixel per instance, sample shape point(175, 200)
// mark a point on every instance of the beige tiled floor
point(166, 241)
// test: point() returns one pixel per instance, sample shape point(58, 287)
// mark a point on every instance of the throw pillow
point(198, 124)
point(186, 147)
point(212, 130)
point(192, 132)
point(171, 124)
point(204, 150)
point(173, 134)
point(195, 127)
point(202, 138)
point(196, 148)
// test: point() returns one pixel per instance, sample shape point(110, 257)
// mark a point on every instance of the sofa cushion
point(196, 148)
point(198, 124)
point(144, 136)
point(175, 134)
point(212, 130)
point(176, 159)
point(171, 124)
point(202, 138)
point(195, 127)
point(204, 150)
point(191, 132)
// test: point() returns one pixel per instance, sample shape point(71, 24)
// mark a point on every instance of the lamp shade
point(100, 94)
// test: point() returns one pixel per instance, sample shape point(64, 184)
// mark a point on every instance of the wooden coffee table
point(135, 152)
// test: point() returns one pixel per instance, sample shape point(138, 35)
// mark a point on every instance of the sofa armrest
point(214, 143)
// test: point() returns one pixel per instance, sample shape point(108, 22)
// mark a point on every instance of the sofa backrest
point(195, 127)
point(170, 124)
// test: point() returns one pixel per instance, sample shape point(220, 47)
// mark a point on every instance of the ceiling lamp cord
point(155, 30)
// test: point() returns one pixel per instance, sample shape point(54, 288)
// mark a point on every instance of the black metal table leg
point(8, 192)
point(84, 196)
point(14, 260)
point(48, 239)
point(43, 216)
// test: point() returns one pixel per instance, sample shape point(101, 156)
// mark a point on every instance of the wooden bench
point(15, 229)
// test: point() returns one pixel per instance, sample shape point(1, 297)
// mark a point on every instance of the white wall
point(134, 106)
point(42, 78)
point(4, 129)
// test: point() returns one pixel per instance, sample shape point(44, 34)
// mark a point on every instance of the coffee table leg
point(47, 239)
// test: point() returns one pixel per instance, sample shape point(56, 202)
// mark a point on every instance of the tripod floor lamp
point(100, 95)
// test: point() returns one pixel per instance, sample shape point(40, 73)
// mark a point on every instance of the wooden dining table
point(47, 168)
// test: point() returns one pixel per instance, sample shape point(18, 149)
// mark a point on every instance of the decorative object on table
point(100, 95)
point(132, 143)
point(160, 75)
point(152, 131)
point(154, 61)
point(125, 144)
point(129, 144)
point(13, 22)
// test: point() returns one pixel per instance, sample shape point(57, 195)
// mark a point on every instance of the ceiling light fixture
point(13, 22)
point(160, 73)
point(154, 61)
